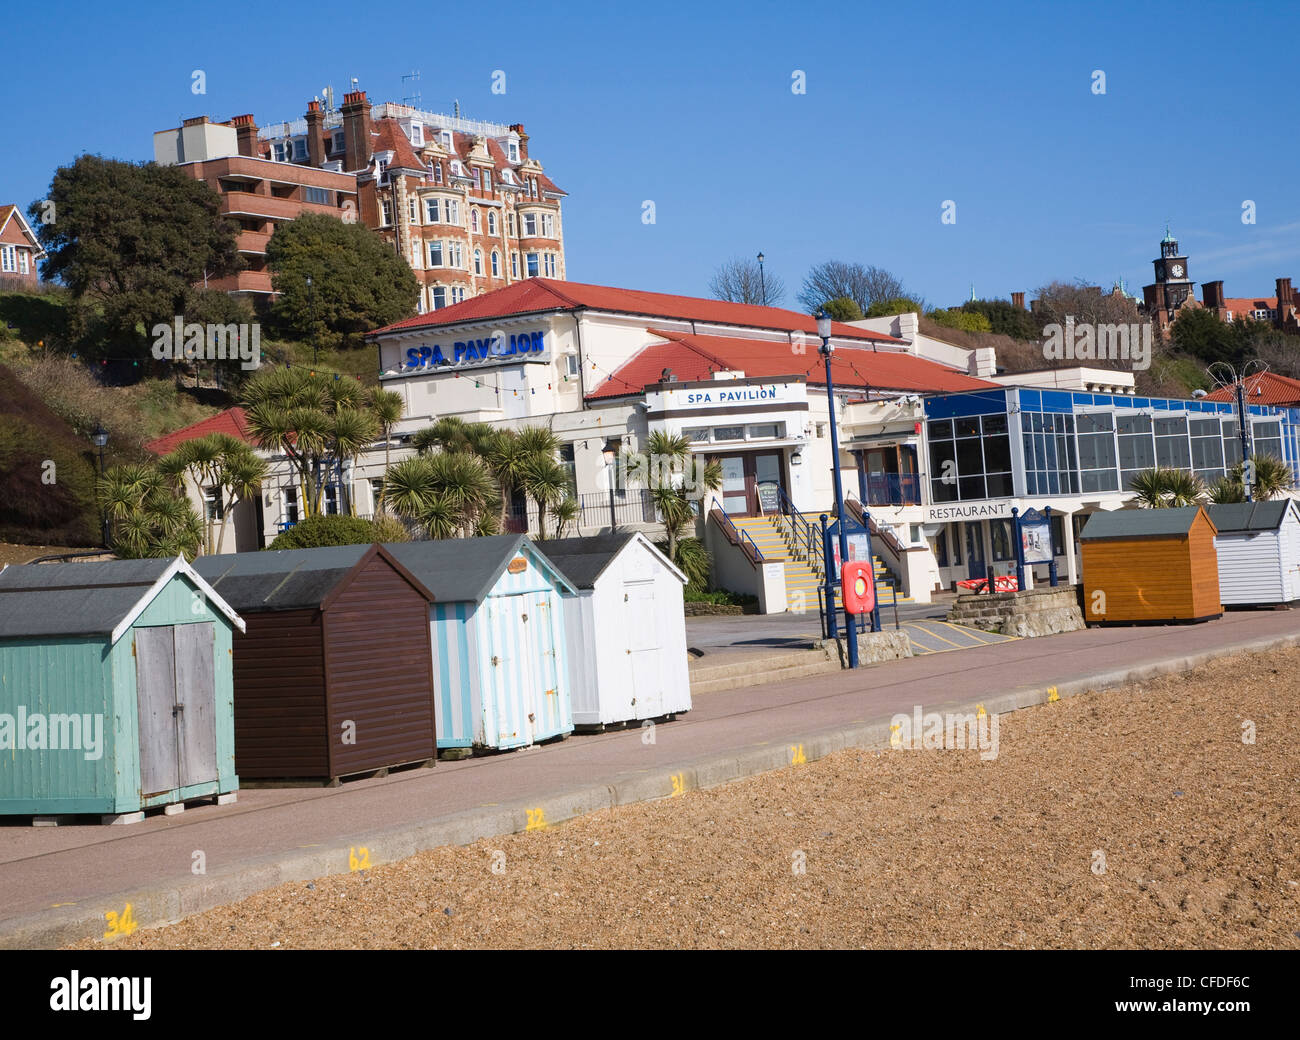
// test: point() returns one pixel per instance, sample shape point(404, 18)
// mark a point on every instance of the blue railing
point(802, 536)
point(737, 537)
point(893, 489)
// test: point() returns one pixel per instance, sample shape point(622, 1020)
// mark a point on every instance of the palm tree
point(546, 481)
point(1162, 487)
point(508, 456)
point(666, 470)
point(1273, 477)
point(221, 465)
point(1225, 490)
point(387, 406)
point(147, 516)
point(350, 433)
point(449, 494)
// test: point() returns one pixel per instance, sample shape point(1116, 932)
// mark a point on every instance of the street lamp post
point(851, 629)
point(100, 438)
point(611, 457)
point(762, 283)
point(311, 317)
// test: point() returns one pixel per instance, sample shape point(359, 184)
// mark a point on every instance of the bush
point(720, 596)
point(334, 529)
point(966, 321)
point(387, 528)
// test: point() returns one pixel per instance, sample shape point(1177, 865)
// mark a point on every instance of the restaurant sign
point(958, 511)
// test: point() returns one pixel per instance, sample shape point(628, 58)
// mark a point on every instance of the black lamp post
point(851, 629)
point(762, 284)
point(99, 438)
point(311, 317)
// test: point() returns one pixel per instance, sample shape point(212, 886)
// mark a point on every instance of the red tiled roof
point(1246, 304)
point(698, 357)
point(231, 421)
point(1273, 389)
point(539, 295)
point(389, 137)
point(5, 213)
point(544, 183)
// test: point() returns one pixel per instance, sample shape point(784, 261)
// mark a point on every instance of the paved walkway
point(80, 866)
point(938, 637)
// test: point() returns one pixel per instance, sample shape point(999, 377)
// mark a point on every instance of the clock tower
point(1172, 288)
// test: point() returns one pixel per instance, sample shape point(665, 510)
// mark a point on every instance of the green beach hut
point(115, 689)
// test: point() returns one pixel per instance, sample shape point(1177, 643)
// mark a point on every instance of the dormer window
point(417, 134)
point(446, 139)
point(338, 141)
point(300, 148)
point(513, 151)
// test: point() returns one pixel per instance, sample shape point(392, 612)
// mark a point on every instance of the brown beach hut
point(333, 675)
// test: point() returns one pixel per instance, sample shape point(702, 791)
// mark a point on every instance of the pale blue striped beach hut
point(497, 627)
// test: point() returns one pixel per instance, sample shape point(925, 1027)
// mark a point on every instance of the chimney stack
point(356, 131)
point(1285, 300)
point(1018, 300)
point(523, 141)
point(315, 134)
point(1212, 294)
point(246, 135)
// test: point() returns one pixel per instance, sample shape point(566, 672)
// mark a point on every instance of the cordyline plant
point(1162, 487)
point(221, 464)
point(669, 464)
point(1272, 479)
point(318, 420)
point(147, 515)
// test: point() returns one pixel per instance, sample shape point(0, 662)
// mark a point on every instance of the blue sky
point(690, 105)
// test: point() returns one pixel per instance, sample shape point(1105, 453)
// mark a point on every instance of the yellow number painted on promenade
point(679, 784)
point(536, 820)
point(359, 862)
point(120, 924)
point(797, 757)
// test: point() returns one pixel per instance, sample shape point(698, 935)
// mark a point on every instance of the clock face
point(1176, 270)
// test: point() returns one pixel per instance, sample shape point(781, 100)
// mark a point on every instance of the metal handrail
point(735, 536)
point(801, 531)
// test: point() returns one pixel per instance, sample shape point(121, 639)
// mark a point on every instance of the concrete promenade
point(56, 884)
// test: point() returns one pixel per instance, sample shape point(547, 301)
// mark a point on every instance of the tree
point(449, 494)
point(147, 515)
point(1085, 303)
point(335, 529)
point(131, 242)
point(220, 463)
point(318, 420)
point(1006, 319)
point(967, 321)
point(833, 279)
point(746, 281)
point(896, 305)
point(670, 463)
point(358, 282)
point(387, 406)
point(1162, 487)
point(844, 309)
point(1272, 479)
point(1199, 333)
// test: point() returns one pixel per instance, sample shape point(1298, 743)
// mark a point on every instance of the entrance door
point(735, 497)
point(642, 627)
point(975, 550)
point(176, 695)
point(510, 703)
point(750, 481)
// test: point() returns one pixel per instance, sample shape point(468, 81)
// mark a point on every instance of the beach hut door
point(642, 622)
point(176, 691)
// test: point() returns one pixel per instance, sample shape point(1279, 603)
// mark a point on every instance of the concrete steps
point(800, 579)
point(732, 670)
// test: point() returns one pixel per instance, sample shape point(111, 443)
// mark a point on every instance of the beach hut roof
point(293, 579)
point(584, 560)
point(85, 599)
point(1140, 523)
point(1250, 516)
point(464, 570)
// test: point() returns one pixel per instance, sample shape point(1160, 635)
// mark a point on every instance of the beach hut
point(115, 688)
point(497, 627)
point(1150, 565)
point(1258, 545)
point(626, 629)
point(332, 676)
